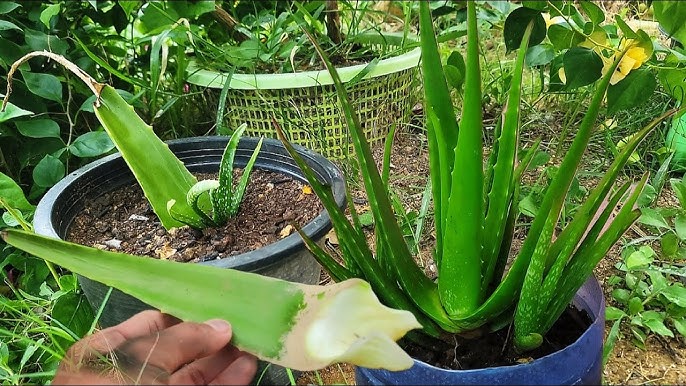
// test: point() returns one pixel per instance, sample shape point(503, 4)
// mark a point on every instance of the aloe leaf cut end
point(295, 325)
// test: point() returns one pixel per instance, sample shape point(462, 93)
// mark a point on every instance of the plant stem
point(333, 21)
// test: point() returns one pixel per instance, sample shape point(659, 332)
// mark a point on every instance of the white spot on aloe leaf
point(349, 324)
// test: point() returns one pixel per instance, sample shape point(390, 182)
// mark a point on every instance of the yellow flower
point(632, 59)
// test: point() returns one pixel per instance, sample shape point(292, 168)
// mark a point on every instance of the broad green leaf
point(11, 111)
point(73, 311)
point(672, 17)
point(540, 55)
point(614, 313)
point(44, 85)
point(621, 295)
point(582, 67)
point(628, 32)
point(455, 69)
point(129, 5)
point(657, 281)
point(634, 90)
point(673, 80)
point(12, 195)
point(680, 226)
point(652, 217)
point(91, 144)
point(676, 294)
point(6, 25)
point(658, 326)
point(679, 189)
point(295, 325)
point(594, 12)
point(7, 7)
point(48, 13)
point(635, 305)
point(38, 128)
point(48, 171)
point(39, 41)
point(535, 4)
point(648, 195)
point(680, 326)
point(669, 243)
point(638, 259)
point(515, 24)
point(9, 217)
point(563, 37)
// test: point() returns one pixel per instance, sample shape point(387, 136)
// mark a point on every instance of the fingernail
point(219, 325)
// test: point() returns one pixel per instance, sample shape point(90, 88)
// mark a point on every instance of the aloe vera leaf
point(440, 181)
point(513, 212)
point(221, 107)
point(503, 170)
point(509, 288)
point(387, 150)
point(582, 263)
point(337, 272)
point(571, 236)
point(537, 244)
point(442, 127)
point(420, 289)
point(193, 197)
point(237, 196)
point(222, 196)
point(141, 148)
point(554, 275)
point(459, 282)
point(385, 173)
point(573, 232)
point(295, 325)
point(192, 221)
point(354, 244)
point(136, 141)
point(569, 239)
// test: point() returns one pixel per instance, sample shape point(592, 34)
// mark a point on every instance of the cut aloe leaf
point(136, 141)
point(299, 326)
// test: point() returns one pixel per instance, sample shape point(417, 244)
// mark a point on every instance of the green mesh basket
point(306, 106)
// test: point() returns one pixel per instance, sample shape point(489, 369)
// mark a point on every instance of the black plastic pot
point(286, 259)
point(577, 364)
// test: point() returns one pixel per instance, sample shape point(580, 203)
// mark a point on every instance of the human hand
point(156, 348)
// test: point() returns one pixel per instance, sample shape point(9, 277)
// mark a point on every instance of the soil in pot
point(123, 221)
point(496, 349)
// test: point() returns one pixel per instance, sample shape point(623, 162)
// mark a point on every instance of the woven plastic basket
point(307, 108)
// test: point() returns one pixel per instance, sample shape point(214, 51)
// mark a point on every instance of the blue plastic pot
point(577, 364)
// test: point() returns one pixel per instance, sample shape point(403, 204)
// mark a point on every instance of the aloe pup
point(475, 208)
point(300, 326)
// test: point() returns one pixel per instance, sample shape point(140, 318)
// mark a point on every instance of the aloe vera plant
point(475, 208)
point(295, 325)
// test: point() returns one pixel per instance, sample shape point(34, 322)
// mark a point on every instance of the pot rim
point(261, 257)
point(215, 79)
